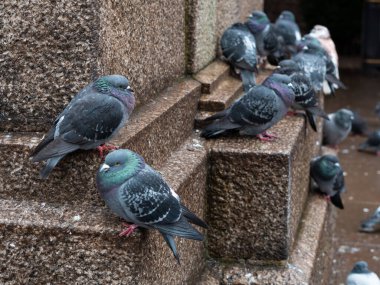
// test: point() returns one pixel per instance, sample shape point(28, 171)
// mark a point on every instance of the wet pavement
point(362, 177)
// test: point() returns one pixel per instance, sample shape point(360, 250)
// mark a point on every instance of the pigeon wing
point(91, 120)
point(257, 107)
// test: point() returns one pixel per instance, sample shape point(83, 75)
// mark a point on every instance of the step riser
point(257, 196)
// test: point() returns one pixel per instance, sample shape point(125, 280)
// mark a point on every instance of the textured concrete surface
point(257, 192)
point(201, 33)
point(308, 263)
point(52, 49)
point(42, 242)
point(154, 131)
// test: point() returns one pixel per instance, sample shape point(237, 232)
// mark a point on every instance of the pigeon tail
point(50, 164)
point(192, 218)
point(248, 78)
point(217, 128)
point(336, 200)
point(318, 112)
point(311, 120)
point(171, 243)
point(331, 78)
point(181, 228)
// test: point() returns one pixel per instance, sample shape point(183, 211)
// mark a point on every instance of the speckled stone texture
point(51, 49)
point(232, 11)
point(308, 263)
point(154, 131)
point(201, 33)
point(257, 192)
point(41, 242)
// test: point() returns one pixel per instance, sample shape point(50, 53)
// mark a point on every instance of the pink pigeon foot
point(291, 113)
point(378, 153)
point(265, 136)
point(106, 147)
point(129, 229)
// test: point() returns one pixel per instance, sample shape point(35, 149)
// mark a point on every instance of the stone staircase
point(264, 227)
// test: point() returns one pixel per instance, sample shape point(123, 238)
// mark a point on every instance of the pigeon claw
point(265, 136)
point(129, 229)
point(105, 148)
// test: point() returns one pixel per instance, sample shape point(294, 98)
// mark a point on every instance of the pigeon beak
point(130, 89)
point(290, 85)
point(337, 164)
point(104, 167)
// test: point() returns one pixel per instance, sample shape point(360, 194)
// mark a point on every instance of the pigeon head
point(282, 85)
point(118, 167)
point(328, 166)
point(257, 22)
point(117, 86)
point(287, 15)
point(360, 267)
point(310, 44)
point(343, 118)
point(320, 32)
point(288, 66)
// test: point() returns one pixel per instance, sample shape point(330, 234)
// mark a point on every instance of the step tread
point(179, 167)
point(211, 75)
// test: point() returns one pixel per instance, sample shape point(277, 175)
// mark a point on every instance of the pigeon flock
point(134, 191)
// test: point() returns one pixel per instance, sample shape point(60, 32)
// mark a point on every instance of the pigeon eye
point(117, 164)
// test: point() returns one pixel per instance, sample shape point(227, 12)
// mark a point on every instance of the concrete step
point(154, 131)
point(258, 191)
point(228, 90)
point(308, 263)
point(43, 242)
point(211, 76)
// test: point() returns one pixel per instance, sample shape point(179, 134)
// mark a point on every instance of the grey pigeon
point(258, 110)
point(372, 223)
point(372, 144)
point(328, 175)
point(361, 275)
point(265, 35)
point(92, 118)
point(305, 96)
point(137, 193)
point(317, 64)
point(338, 127)
point(288, 31)
point(359, 125)
point(239, 48)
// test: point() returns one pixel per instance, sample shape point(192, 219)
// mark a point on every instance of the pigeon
point(92, 118)
point(305, 96)
point(317, 64)
point(359, 125)
point(256, 111)
point(328, 175)
point(338, 127)
point(377, 109)
point(239, 49)
point(288, 31)
point(265, 35)
point(372, 144)
point(322, 33)
point(361, 275)
point(137, 193)
point(372, 223)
